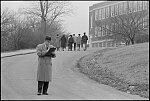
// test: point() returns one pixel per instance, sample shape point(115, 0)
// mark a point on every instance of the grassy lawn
point(125, 68)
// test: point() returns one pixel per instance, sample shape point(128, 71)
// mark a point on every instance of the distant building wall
point(103, 11)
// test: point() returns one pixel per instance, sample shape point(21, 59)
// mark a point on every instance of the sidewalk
point(17, 52)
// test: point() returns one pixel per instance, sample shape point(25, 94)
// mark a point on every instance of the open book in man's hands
point(49, 53)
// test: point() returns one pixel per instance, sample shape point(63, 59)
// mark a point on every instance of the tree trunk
point(43, 28)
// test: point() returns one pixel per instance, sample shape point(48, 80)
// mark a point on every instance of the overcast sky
point(77, 23)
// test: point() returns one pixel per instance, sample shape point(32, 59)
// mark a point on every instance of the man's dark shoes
point(38, 93)
point(45, 93)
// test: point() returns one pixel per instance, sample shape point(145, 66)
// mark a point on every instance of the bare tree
point(33, 22)
point(48, 11)
point(125, 27)
point(7, 18)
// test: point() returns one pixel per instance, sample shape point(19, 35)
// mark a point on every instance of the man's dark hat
point(48, 38)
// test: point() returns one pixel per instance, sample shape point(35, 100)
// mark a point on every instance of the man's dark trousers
point(74, 46)
point(44, 85)
point(70, 46)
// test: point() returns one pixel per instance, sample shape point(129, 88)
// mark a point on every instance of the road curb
point(17, 54)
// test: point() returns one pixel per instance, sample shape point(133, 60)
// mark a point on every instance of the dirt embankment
point(124, 68)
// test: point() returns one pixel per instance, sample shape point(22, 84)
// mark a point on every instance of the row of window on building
point(120, 8)
point(106, 29)
point(104, 44)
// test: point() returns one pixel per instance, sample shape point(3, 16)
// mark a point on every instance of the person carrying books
point(44, 71)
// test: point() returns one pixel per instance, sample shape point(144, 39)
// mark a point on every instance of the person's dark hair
point(78, 34)
point(48, 38)
point(84, 33)
point(73, 34)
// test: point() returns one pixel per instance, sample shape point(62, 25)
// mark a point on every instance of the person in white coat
point(75, 41)
point(44, 72)
point(57, 42)
point(79, 38)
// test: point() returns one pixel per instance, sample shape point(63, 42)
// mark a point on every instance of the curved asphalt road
point(18, 80)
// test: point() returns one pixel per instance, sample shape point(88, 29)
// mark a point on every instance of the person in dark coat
point(70, 41)
point(84, 41)
point(63, 42)
point(81, 44)
point(44, 72)
point(67, 44)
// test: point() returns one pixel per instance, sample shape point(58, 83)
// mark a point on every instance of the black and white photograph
point(74, 50)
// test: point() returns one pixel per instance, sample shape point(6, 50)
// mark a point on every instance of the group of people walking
point(73, 42)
